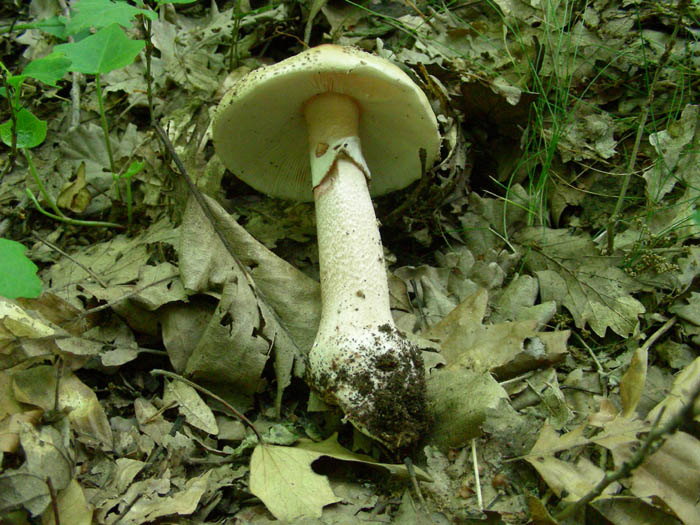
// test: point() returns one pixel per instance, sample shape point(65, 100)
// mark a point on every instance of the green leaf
point(17, 272)
point(31, 131)
point(105, 51)
point(56, 26)
point(49, 69)
point(102, 13)
point(134, 168)
point(161, 2)
point(16, 80)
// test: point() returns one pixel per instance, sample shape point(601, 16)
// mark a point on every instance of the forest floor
point(152, 355)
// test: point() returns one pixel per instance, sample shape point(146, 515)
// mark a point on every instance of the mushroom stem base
point(377, 378)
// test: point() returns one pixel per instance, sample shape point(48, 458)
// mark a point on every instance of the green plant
point(105, 51)
point(17, 272)
point(25, 131)
point(134, 168)
point(92, 54)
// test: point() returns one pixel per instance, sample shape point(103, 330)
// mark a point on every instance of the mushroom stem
point(351, 258)
point(359, 360)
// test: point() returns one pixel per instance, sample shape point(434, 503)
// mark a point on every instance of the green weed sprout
point(25, 131)
point(134, 168)
point(105, 51)
point(91, 54)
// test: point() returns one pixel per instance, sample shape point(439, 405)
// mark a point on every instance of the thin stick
point(599, 366)
point(477, 479)
point(661, 331)
point(75, 78)
point(414, 481)
point(149, 76)
point(612, 223)
point(70, 258)
point(647, 448)
point(416, 487)
point(234, 411)
point(123, 297)
point(54, 501)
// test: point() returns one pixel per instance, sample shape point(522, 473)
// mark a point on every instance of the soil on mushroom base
point(390, 391)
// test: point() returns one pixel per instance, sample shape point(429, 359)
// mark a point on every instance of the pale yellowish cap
point(260, 133)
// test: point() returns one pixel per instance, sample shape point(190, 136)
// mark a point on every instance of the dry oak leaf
point(572, 272)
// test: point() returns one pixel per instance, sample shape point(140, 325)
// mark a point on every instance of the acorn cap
point(260, 133)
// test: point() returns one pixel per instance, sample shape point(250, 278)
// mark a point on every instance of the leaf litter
point(551, 360)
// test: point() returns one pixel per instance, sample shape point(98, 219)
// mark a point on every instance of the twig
point(477, 478)
point(54, 501)
point(601, 369)
point(416, 487)
point(59, 376)
point(149, 76)
point(645, 450)
point(612, 223)
point(206, 210)
point(75, 80)
point(122, 298)
point(234, 411)
point(70, 258)
point(203, 205)
point(661, 331)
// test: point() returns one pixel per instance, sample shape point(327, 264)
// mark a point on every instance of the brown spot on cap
point(321, 149)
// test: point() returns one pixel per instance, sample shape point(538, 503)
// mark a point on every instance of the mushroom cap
point(260, 133)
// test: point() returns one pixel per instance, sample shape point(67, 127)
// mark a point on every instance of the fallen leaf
point(72, 507)
point(331, 448)
point(572, 272)
point(670, 474)
point(685, 382)
point(15, 322)
point(74, 195)
point(191, 405)
point(569, 481)
point(37, 386)
point(283, 479)
point(458, 417)
point(632, 382)
point(510, 347)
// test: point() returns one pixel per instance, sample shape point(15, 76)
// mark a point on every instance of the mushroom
point(334, 124)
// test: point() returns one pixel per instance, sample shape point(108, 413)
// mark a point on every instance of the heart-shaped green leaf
point(102, 13)
point(49, 69)
point(31, 131)
point(105, 51)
